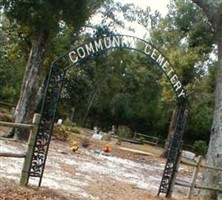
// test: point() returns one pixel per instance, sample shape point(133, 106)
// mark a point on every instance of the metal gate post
point(172, 163)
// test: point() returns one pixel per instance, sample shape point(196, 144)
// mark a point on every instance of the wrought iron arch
point(53, 86)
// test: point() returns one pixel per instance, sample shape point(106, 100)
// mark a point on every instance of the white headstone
point(97, 136)
point(188, 155)
point(59, 121)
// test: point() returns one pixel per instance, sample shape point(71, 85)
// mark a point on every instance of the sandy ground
point(129, 172)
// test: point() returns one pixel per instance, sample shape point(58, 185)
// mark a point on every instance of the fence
point(7, 104)
point(146, 138)
point(198, 165)
point(28, 155)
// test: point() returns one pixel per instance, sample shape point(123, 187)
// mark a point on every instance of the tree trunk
point(213, 178)
point(171, 133)
point(31, 86)
point(214, 154)
point(89, 107)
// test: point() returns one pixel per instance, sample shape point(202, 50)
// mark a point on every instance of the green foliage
point(201, 106)
point(59, 131)
point(118, 87)
point(12, 62)
point(37, 22)
point(121, 90)
point(200, 147)
point(73, 129)
point(46, 14)
point(186, 38)
point(67, 122)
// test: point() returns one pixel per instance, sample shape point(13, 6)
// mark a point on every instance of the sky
point(141, 32)
point(160, 5)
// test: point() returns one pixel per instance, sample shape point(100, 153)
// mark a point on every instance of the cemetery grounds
point(129, 172)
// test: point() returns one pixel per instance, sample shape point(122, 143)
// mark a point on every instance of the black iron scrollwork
point(50, 101)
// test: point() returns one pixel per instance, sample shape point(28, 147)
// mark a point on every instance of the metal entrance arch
point(53, 86)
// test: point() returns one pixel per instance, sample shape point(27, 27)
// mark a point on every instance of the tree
point(116, 89)
point(102, 82)
point(213, 11)
point(185, 35)
point(201, 107)
point(40, 21)
point(12, 60)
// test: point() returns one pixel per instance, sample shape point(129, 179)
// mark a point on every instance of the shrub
point(124, 132)
point(85, 142)
point(60, 133)
point(73, 129)
point(67, 122)
point(141, 140)
point(200, 147)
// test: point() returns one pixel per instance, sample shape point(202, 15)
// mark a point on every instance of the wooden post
point(73, 113)
point(134, 136)
point(30, 149)
point(194, 177)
